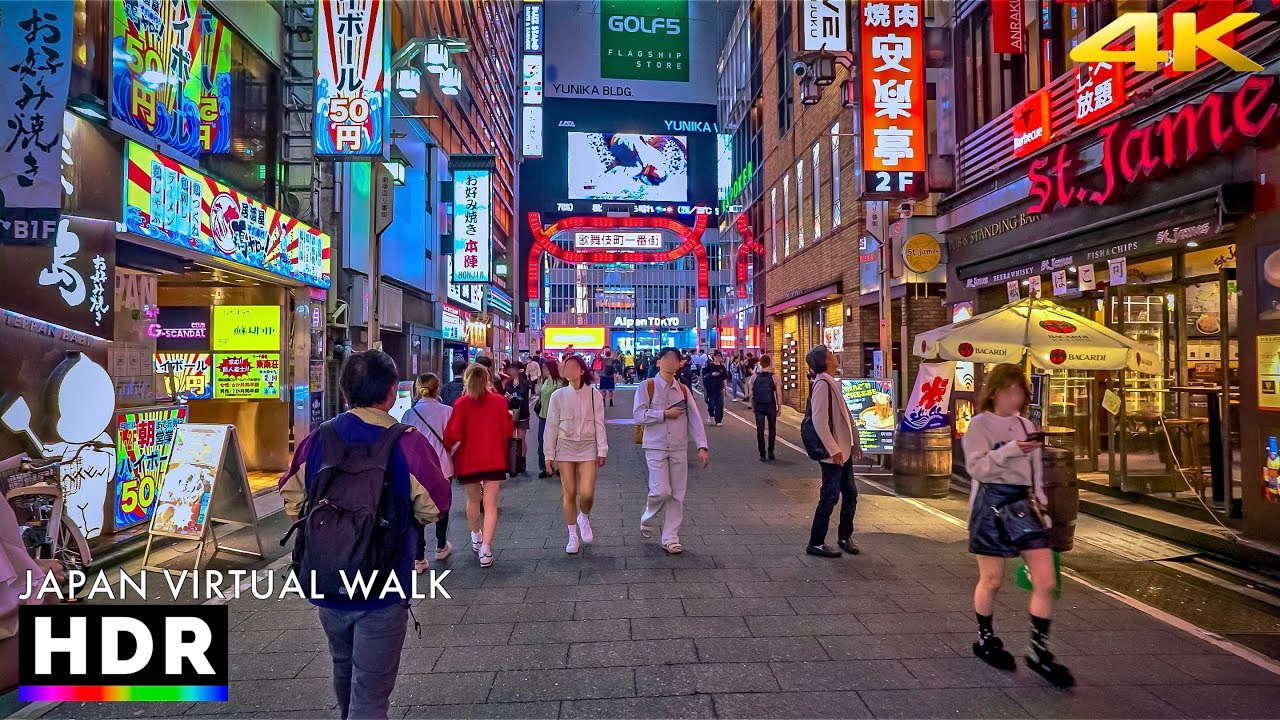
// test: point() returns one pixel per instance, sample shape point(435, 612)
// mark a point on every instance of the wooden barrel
point(1064, 496)
point(922, 463)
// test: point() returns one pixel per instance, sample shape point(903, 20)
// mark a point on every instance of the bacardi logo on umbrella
point(1057, 356)
point(1058, 326)
point(966, 350)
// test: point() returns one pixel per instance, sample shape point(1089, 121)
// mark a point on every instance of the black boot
point(1041, 660)
point(990, 648)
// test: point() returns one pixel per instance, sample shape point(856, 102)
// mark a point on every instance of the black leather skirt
point(985, 535)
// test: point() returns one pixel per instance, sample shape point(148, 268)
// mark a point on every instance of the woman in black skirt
point(1003, 455)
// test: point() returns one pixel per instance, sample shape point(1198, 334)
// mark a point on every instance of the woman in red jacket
point(476, 437)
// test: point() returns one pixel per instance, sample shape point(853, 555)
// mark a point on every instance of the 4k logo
point(1188, 41)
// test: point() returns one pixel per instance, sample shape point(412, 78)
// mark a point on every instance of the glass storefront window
point(251, 164)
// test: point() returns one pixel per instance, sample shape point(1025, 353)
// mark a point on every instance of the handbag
point(813, 445)
point(513, 456)
point(1019, 520)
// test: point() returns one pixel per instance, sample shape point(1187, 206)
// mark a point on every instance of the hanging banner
point(144, 438)
point(1008, 27)
point(1059, 282)
point(1119, 269)
point(472, 226)
point(930, 398)
point(1087, 281)
point(893, 100)
point(1014, 292)
point(1035, 285)
point(168, 201)
point(155, 75)
point(352, 107)
point(215, 85)
point(35, 53)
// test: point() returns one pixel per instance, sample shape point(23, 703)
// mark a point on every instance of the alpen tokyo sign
point(1180, 138)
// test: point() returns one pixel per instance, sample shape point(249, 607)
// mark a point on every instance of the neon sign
point(1175, 140)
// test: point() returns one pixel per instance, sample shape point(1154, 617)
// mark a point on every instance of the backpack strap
point(648, 384)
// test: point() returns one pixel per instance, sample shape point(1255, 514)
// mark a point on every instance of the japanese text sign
point(1099, 90)
point(870, 403)
point(930, 398)
point(144, 439)
point(472, 226)
point(353, 111)
point(155, 76)
point(826, 25)
point(246, 376)
point(185, 376)
point(893, 98)
point(246, 327)
point(70, 281)
point(215, 85)
point(35, 51)
point(170, 202)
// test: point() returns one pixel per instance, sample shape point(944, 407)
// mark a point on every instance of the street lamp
point(436, 58)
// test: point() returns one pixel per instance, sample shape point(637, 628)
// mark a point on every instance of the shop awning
point(804, 299)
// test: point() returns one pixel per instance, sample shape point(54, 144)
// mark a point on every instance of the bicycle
point(35, 492)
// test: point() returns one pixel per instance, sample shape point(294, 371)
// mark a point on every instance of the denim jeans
point(837, 484)
point(365, 646)
point(542, 455)
point(737, 388)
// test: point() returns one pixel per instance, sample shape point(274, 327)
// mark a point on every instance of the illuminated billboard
point(581, 338)
point(472, 226)
point(628, 167)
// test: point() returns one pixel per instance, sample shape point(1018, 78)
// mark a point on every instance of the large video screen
point(628, 167)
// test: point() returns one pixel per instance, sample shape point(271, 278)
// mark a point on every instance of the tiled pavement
point(742, 625)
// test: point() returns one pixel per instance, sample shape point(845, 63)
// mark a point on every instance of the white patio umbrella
point(1055, 337)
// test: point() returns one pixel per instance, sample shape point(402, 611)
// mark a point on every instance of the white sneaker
point(584, 526)
point(573, 545)
point(486, 556)
point(476, 539)
point(445, 551)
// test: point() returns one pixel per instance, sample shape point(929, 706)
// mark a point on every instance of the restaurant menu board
point(1269, 372)
point(246, 327)
point(183, 504)
point(143, 441)
point(246, 376)
point(185, 376)
point(870, 402)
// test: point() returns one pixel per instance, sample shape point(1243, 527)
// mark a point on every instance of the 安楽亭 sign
point(246, 327)
point(35, 51)
point(185, 376)
point(472, 226)
point(246, 376)
point(870, 403)
point(170, 202)
point(352, 107)
point(893, 98)
point(144, 438)
point(156, 57)
point(215, 85)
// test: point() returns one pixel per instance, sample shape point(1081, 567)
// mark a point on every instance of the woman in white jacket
point(575, 443)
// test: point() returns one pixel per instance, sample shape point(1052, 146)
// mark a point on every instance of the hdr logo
point(116, 653)
point(644, 25)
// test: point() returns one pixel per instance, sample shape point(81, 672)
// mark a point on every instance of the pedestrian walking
point(715, 376)
point(533, 367)
point(452, 390)
point(766, 396)
point(518, 390)
point(1002, 452)
point(738, 388)
point(324, 493)
point(608, 379)
point(830, 418)
point(551, 382)
point(685, 373)
point(575, 434)
point(477, 435)
point(669, 418)
point(429, 416)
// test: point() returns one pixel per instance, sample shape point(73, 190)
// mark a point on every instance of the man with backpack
point(354, 490)
point(830, 438)
point(666, 416)
point(766, 394)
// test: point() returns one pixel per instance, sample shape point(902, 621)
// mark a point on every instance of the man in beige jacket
point(835, 427)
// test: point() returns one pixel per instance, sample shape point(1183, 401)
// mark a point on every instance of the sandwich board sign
point(205, 485)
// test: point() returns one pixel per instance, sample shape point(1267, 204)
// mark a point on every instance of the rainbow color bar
point(122, 693)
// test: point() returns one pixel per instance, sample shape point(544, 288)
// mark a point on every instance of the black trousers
point(763, 418)
point(442, 533)
point(837, 484)
point(715, 404)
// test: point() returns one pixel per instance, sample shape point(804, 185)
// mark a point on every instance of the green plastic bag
point(1024, 575)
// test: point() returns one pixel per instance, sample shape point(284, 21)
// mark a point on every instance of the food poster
point(144, 439)
point(1204, 310)
point(1269, 282)
point(185, 376)
point(182, 507)
point(1271, 470)
point(246, 376)
point(870, 402)
point(1269, 372)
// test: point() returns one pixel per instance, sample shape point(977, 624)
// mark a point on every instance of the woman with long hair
point(517, 390)
point(430, 417)
point(1003, 455)
point(576, 444)
point(551, 382)
point(476, 436)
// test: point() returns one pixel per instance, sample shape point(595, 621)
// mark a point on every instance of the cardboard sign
point(1087, 280)
point(1111, 402)
point(1119, 268)
point(930, 398)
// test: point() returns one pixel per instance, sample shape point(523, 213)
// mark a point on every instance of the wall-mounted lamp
point(437, 56)
point(451, 81)
point(810, 93)
point(89, 107)
point(397, 166)
point(408, 82)
point(436, 53)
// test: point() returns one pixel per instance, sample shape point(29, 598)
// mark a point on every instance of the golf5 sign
point(1192, 36)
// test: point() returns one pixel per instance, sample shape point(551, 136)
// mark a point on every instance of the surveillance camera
point(800, 69)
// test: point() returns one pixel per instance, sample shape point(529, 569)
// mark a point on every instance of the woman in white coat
point(576, 445)
point(430, 416)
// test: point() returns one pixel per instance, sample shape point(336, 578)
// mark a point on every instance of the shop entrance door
point(1140, 460)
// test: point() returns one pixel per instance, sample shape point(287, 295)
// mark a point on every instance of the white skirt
point(575, 451)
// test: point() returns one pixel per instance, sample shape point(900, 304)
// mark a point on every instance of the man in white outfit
point(670, 417)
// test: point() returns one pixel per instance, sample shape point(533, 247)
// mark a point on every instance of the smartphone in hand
point(682, 405)
point(1036, 437)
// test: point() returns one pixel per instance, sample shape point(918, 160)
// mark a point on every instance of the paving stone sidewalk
point(743, 625)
